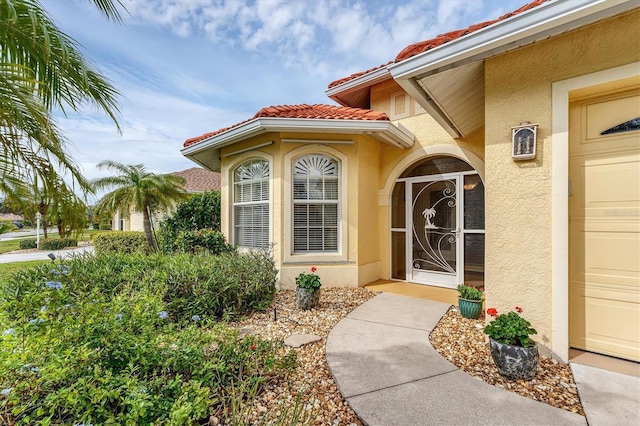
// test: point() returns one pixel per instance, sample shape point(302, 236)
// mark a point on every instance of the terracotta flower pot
point(514, 362)
point(307, 299)
point(470, 308)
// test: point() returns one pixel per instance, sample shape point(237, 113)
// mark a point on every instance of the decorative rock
point(297, 340)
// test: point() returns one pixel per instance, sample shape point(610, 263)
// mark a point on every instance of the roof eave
point(338, 92)
point(544, 21)
point(381, 130)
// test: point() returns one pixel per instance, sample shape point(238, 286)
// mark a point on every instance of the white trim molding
point(343, 229)
point(472, 159)
point(381, 130)
point(560, 197)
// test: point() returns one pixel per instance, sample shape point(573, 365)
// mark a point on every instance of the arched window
point(251, 204)
point(316, 199)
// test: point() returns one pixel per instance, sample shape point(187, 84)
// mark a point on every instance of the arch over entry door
point(437, 229)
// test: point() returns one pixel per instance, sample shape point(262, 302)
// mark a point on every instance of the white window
point(315, 204)
point(251, 204)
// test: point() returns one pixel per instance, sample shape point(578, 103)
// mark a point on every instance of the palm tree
point(138, 190)
point(42, 70)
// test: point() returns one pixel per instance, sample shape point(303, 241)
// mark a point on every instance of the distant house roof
point(317, 111)
point(423, 46)
point(199, 180)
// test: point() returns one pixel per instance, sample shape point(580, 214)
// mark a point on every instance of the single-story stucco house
point(196, 180)
point(506, 155)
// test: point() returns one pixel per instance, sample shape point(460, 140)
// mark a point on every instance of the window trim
point(232, 205)
point(343, 186)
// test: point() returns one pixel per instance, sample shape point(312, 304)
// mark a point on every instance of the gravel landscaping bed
point(463, 343)
point(459, 340)
point(321, 400)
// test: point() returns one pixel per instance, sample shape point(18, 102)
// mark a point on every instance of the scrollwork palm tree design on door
point(433, 243)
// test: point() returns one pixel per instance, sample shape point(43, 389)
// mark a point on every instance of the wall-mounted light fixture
point(523, 141)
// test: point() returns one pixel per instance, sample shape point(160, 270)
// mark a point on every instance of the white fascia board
point(242, 132)
point(385, 129)
point(541, 22)
point(364, 80)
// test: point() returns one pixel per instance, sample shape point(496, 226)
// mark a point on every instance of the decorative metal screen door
point(432, 245)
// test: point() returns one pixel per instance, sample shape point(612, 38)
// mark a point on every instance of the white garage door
point(604, 225)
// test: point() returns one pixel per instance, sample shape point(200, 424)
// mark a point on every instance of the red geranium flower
point(492, 311)
point(313, 269)
point(519, 309)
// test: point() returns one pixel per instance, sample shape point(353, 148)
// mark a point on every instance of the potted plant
point(469, 301)
point(512, 350)
point(308, 289)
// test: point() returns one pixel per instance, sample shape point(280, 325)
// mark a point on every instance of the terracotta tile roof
point(199, 180)
point(358, 74)
point(318, 111)
point(423, 46)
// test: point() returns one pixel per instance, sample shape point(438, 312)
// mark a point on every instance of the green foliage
point(6, 226)
point(510, 328)
point(201, 212)
point(93, 340)
point(123, 242)
point(134, 189)
point(43, 70)
point(205, 240)
point(222, 286)
point(57, 243)
point(469, 292)
point(28, 243)
point(309, 281)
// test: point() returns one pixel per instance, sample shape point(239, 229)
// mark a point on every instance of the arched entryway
point(437, 224)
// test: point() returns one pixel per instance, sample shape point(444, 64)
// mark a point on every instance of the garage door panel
point(615, 255)
point(614, 183)
point(600, 115)
point(612, 253)
point(602, 320)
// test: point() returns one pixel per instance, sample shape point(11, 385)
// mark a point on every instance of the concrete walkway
point(389, 373)
point(43, 254)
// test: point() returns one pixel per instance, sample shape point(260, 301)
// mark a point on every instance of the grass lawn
point(9, 245)
point(6, 269)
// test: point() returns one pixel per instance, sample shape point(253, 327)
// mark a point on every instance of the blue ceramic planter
point(470, 308)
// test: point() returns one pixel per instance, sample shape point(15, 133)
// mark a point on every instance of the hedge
point(122, 242)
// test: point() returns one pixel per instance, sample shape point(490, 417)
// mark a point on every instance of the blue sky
point(187, 67)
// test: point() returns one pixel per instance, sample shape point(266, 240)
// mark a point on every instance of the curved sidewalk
point(389, 373)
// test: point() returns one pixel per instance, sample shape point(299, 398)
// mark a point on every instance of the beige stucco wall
point(518, 194)
point(431, 140)
point(358, 260)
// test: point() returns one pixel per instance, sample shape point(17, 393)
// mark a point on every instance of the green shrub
point(220, 286)
point(6, 226)
point(28, 244)
point(73, 352)
point(200, 212)
point(57, 243)
point(120, 242)
point(104, 226)
point(204, 240)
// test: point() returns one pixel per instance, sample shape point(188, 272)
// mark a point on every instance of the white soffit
point(459, 93)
